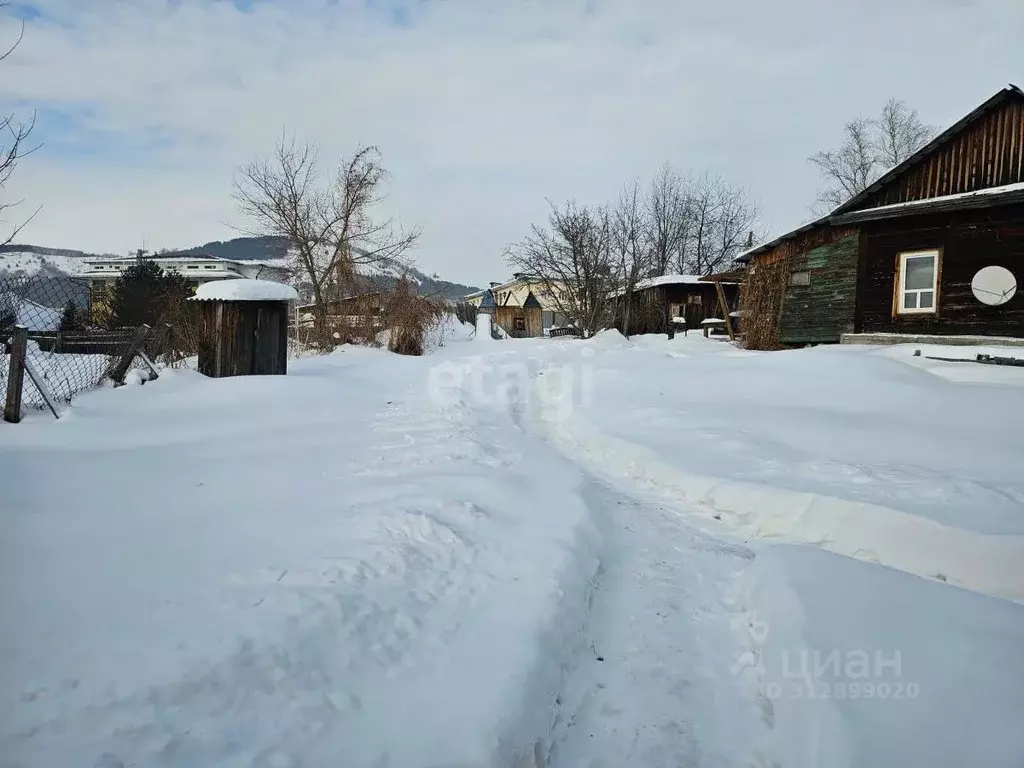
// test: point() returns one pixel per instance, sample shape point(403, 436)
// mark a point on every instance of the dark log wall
point(243, 338)
point(824, 309)
point(969, 241)
point(989, 153)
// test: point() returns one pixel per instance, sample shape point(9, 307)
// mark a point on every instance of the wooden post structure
point(119, 370)
point(725, 309)
point(16, 374)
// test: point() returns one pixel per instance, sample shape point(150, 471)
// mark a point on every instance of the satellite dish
point(994, 286)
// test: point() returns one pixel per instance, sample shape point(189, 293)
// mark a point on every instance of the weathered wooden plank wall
point(969, 241)
point(532, 319)
point(990, 153)
point(823, 310)
point(765, 292)
point(243, 338)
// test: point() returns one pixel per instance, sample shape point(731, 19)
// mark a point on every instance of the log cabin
point(935, 246)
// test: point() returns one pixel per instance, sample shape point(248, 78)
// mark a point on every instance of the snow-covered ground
point(27, 263)
point(63, 376)
point(522, 553)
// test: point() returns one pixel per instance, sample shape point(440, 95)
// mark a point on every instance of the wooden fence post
point(119, 370)
point(16, 374)
point(725, 309)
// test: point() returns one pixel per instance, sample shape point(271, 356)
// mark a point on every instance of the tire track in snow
point(650, 680)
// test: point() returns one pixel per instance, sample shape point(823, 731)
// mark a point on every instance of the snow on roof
point(160, 257)
point(517, 279)
point(832, 217)
point(245, 290)
point(33, 316)
point(990, 192)
point(954, 130)
point(653, 282)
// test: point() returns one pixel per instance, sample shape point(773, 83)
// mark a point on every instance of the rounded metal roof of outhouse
point(244, 289)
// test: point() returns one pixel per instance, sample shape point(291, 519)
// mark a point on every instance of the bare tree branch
point(899, 133)
point(631, 243)
point(571, 256)
point(669, 219)
point(870, 147)
point(14, 138)
point(21, 36)
point(722, 215)
point(331, 227)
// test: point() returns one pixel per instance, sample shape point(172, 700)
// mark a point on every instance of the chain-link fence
point(68, 350)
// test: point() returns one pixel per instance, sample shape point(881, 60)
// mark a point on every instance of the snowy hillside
point(523, 553)
point(28, 263)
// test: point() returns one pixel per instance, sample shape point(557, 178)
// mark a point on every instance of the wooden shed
point(243, 327)
point(934, 246)
point(657, 302)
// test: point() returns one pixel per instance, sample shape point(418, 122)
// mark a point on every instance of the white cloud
point(482, 109)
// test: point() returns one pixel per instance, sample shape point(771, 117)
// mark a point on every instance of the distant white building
point(196, 269)
point(102, 273)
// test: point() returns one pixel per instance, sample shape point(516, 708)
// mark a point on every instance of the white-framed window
point(800, 278)
point(917, 283)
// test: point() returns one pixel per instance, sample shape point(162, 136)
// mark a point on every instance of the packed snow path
point(656, 684)
point(513, 554)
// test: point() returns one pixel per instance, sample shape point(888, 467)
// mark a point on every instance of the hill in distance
point(35, 259)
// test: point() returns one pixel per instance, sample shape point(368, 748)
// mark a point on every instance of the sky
point(483, 110)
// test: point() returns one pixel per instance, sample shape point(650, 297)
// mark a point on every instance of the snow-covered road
point(530, 553)
point(656, 686)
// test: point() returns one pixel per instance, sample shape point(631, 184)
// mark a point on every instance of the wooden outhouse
point(243, 327)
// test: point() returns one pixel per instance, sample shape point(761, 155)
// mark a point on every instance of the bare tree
point(870, 147)
point(631, 240)
point(330, 226)
point(668, 218)
point(14, 145)
point(850, 169)
point(571, 256)
point(722, 216)
point(899, 133)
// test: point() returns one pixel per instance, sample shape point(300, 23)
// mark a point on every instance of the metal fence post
point(16, 374)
